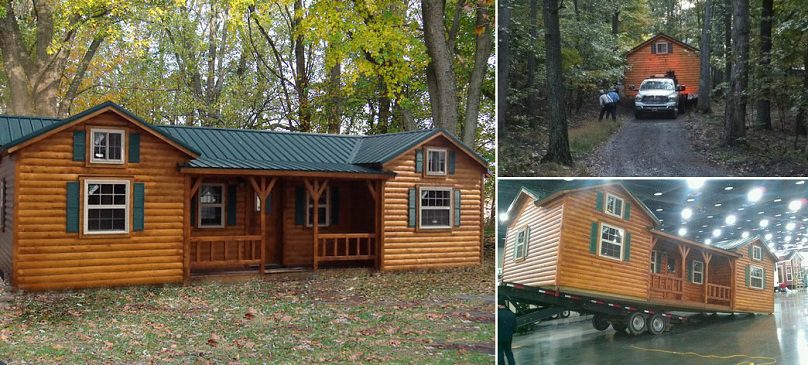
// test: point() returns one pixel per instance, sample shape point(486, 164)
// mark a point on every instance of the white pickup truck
point(657, 96)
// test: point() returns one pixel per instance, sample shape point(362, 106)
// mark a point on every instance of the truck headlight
point(672, 98)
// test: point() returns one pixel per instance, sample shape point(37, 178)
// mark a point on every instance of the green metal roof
point(222, 148)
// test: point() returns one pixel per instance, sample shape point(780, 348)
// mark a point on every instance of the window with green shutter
point(138, 205)
point(79, 149)
point(134, 147)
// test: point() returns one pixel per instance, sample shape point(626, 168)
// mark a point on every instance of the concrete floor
point(781, 338)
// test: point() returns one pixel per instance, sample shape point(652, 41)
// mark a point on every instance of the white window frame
point(86, 207)
point(310, 205)
point(752, 277)
point(757, 253)
point(622, 205)
point(693, 272)
point(421, 208)
point(661, 43)
point(94, 159)
point(445, 161)
point(221, 205)
point(517, 247)
point(600, 241)
point(789, 273)
point(654, 257)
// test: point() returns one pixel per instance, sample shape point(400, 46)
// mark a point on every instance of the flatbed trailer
point(534, 304)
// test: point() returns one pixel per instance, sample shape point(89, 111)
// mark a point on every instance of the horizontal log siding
point(406, 247)
point(579, 269)
point(50, 258)
point(750, 299)
point(356, 216)
point(7, 171)
point(643, 64)
point(539, 266)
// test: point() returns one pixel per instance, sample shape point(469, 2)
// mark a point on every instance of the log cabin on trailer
point(601, 241)
point(659, 56)
point(103, 198)
point(789, 270)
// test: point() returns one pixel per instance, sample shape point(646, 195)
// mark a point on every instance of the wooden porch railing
point(219, 252)
point(720, 293)
point(666, 284)
point(345, 247)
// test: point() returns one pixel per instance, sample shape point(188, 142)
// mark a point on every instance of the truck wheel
point(637, 115)
point(600, 322)
point(674, 114)
point(636, 323)
point(657, 324)
point(619, 327)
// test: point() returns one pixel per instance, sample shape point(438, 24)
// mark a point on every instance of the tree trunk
point(558, 149)
point(705, 84)
point(503, 60)
point(727, 41)
point(334, 116)
point(440, 55)
point(532, 88)
point(301, 74)
point(616, 21)
point(384, 108)
point(764, 114)
point(735, 110)
point(483, 44)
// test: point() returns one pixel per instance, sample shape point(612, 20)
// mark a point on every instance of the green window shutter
point(457, 208)
point(78, 146)
point(411, 200)
point(335, 205)
point(653, 48)
point(627, 211)
point(764, 278)
point(750, 251)
point(527, 240)
point(593, 239)
point(73, 206)
point(451, 162)
point(232, 201)
point(747, 275)
point(134, 147)
point(599, 202)
point(194, 202)
point(689, 271)
point(300, 206)
point(627, 247)
point(138, 205)
point(419, 160)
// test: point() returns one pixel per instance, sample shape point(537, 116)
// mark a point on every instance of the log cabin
point(659, 56)
point(789, 270)
point(103, 198)
point(601, 241)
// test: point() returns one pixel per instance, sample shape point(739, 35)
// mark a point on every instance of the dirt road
point(651, 147)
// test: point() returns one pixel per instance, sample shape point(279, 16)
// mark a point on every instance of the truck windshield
point(656, 85)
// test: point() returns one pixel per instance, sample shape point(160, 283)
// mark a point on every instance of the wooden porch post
point(315, 190)
point(650, 272)
point(191, 188)
point(732, 281)
point(707, 257)
point(683, 251)
point(263, 189)
point(373, 188)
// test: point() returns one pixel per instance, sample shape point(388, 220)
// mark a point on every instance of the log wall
point(409, 248)
point(642, 64)
point(751, 299)
point(7, 173)
point(582, 270)
point(50, 258)
point(538, 267)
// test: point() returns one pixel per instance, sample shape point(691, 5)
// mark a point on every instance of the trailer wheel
point(564, 314)
point(600, 322)
point(636, 323)
point(657, 324)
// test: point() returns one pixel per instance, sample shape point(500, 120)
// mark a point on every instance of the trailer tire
point(600, 322)
point(636, 323)
point(619, 327)
point(657, 324)
point(564, 314)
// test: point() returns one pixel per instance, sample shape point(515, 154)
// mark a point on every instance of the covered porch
point(690, 273)
point(236, 221)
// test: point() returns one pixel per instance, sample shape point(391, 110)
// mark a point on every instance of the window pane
point(608, 249)
point(99, 220)
point(436, 161)
point(210, 194)
point(211, 216)
point(114, 146)
point(435, 217)
point(435, 198)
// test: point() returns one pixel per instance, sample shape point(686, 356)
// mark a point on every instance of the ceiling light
point(503, 217)
point(687, 213)
point(800, 182)
point(682, 231)
point(778, 200)
point(790, 226)
point(691, 199)
point(695, 182)
point(754, 194)
point(787, 239)
point(728, 188)
point(716, 233)
point(795, 205)
point(760, 212)
point(804, 240)
point(717, 204)
point(657, 193)
point(659, 209)
point(764, 223)
point(708, 241)
point(730, 220)
point(768, 236)
point(741, 208)
point(745, 234)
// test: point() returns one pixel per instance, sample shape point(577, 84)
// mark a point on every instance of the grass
point(584, 138)
point(334, 316)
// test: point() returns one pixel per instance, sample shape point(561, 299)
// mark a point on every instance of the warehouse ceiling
point(719, 209)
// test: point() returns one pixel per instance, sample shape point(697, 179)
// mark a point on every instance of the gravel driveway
point(651, 147)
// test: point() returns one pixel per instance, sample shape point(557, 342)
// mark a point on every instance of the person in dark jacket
point(506, 325)
point(604, 101)
point(615, 97)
